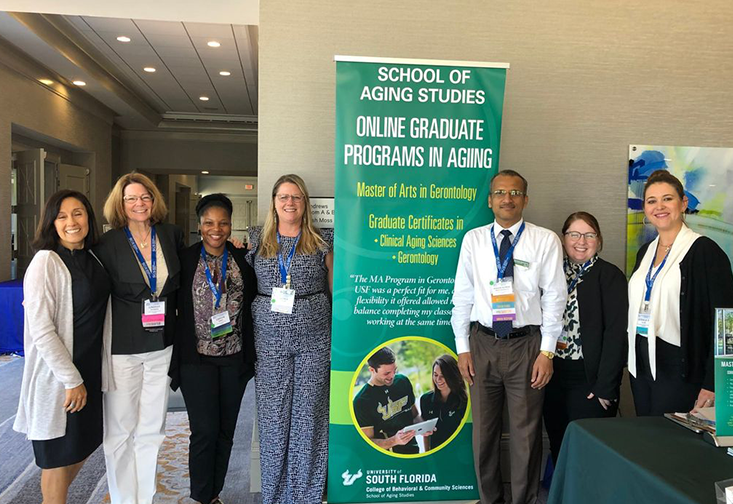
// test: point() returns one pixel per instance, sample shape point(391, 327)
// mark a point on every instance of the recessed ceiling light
point(149, 69)
point(122, 38)
point(213, 43)
point(224, 73)
point(204, 172)
point(79, 83)
point(47, 82)
point(204, 98)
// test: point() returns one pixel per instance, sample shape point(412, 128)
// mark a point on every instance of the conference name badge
point(220, 324)
point(643, 321)
point(562, 342)
point(282, 300)
point(153, 314)
point(502, 300)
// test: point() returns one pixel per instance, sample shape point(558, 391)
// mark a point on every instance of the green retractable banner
point(416, 144)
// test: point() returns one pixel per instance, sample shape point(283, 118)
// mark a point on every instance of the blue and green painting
point(707, 175)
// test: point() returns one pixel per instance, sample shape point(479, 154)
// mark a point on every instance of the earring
point(645, 221)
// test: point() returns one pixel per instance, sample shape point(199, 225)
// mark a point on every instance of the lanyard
point(650, 279)
point(152, 275)
point(285, 266)
point(580, 274)
point(214, 288)
point(501, 267)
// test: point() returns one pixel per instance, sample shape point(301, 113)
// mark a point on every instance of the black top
point(603, 305)
point(706, 284)
point(129, 290)
point(185, 347)
point(449, 415)
point(90, 288)
point(387, 409)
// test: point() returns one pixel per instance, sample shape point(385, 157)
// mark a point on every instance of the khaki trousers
point(503, 372)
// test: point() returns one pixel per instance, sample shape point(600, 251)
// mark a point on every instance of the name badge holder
point(220, 323)
point(563, 340)
point(503, 306)
point(643, 320)
point(283, 298)
point(152, 310)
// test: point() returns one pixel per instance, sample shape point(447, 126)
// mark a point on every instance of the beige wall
point(31, 105)
point(587, 79)
point(188, 152)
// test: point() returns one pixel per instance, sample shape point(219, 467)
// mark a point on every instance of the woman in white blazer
point(67, 337)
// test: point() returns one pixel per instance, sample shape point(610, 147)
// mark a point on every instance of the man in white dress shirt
point(508, 306)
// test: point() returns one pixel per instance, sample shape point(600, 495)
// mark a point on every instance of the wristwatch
point(547, 354)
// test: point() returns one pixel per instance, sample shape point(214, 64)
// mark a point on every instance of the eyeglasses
point(575, 236)
point(282, 198)
point(132, 199)
point(514, 193)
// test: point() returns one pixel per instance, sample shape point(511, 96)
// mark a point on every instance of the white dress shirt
point(540, 288)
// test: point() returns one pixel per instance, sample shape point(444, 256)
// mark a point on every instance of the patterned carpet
point(20, 478)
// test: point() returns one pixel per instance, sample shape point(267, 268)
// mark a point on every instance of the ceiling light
point(224, 73)
point(213, 43)
point(79, 83)
point(149, 69)
point(47, 82)
point(204, 98)
point(122, 38)
point(204, 172)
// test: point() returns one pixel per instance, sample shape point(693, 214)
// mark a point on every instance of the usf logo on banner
point(416, 144)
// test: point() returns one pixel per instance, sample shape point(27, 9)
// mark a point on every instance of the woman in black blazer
point(140, 254)
point(679, 279)
point(214, 354)
point(591, 351)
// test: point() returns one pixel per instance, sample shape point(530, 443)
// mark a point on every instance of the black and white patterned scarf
point(571, 317)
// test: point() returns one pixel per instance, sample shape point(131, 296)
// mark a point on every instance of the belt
point(519, 332)
point(297, 296)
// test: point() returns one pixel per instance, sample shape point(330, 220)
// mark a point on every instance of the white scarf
point(637, 289)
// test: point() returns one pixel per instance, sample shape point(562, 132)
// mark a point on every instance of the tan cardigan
point(48, 339)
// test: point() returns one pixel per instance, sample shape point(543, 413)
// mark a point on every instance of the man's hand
point(541, 371)
point(402, 438)
point(76, 399)
point(465, 364)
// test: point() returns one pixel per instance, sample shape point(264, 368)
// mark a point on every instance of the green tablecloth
point(629, 460)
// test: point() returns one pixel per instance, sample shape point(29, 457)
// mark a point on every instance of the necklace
point(667, 248)
point(144, 242)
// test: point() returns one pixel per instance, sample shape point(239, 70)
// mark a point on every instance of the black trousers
point(669, 393)
point(566, 399)
point(213, 393)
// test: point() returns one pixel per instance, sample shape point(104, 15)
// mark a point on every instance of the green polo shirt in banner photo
point(388, 409)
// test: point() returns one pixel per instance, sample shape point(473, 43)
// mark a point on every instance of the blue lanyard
point(214, 288)
point(501, 267)
point(152, 275)
point(650, 279)
point(577, 277)
point(285, 266)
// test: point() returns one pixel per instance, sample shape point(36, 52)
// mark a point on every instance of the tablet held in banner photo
point(417, 142)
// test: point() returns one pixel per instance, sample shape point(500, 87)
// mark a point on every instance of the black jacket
point(603, 309)
point(184, 349)
point(707, 283)
point(129, 288)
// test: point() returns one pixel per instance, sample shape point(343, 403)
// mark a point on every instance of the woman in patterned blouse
point(592, 348)
point(214, 350)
